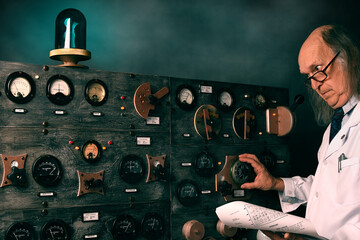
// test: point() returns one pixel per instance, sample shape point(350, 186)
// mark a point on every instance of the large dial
point(152, 226)
point(244, 123)
point(47, 170)
point(188, 193)
point(185, 97)
point(96, 92)
point(20, 87)
point(205, 164)
point(55, 229)
point(91, 151)
point(59, 90)
point(20, 231)
point(132, 169)
point(124, 227)
point(241, 172)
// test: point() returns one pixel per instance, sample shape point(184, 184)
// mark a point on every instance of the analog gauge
point(96, 92)
point(59, 90)
point(244, 123)
point(132, 169)
point(20, 231)
point(152, 226)
point(55, 229)
point(268, 159)
point(185, 97)
point(188, 193)
point(260, 101)
point(20, 87)
point(91, 151)
point(47, 171)
point(124, 227)
point(241, 172)
point(226, 100)
point(205, 164)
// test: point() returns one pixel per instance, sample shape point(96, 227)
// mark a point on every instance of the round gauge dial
point(226, 100)
point(244, 123)
point(260, 101)
point(96, 92)
point(59, 90)
point(185, 97)
point(188, 193)
point(241, 172)
point(205, 164)
point(20, 231)
point(55, 229)
point(152, 226)
point(268, 159)
point(91, 151)
point(47, 171)
point(124, 227)
point(20, 87)
point(132, 169)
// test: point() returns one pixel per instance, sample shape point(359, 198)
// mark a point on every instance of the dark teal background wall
point(247, 41)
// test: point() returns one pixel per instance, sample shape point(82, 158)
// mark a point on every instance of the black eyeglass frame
point(307, 81)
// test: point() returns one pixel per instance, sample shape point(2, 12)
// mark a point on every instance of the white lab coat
point(333, 194)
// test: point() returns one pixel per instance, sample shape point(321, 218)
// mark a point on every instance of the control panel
point(91, 154)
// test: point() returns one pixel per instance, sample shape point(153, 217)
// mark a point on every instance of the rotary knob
point(225, 230)
point(193, 230)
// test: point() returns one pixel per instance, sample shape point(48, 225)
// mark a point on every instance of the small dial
point(152, 226)
point(96, 92)
point(59, 90)
point(185, 97)
point(20, 231)
point(91, 151)
point(260, 101)
point(226, 100)
point(47, 171)
point(205, 164)
point(241, 172)
point(124, 227)
point(55, 229)
point(188, 193)
point(20, 87)
point(132, 169)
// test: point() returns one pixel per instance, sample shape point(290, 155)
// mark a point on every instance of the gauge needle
point(15, 236)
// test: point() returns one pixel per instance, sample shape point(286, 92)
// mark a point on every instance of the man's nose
point(315, 84)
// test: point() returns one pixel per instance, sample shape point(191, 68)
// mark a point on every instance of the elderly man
point(330, 60)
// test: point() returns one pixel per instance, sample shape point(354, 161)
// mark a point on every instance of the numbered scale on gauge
point(47, 171)
point(96, 92)
point(55, 229)
point(226, 100)
point(152, 226)
point(20, 231)
point(20, 87)
point(205, 164)
point(132, 169)
point(124, 227)
point(59, 90)
point(188, 193)
point(185, 97)
point(91, 151)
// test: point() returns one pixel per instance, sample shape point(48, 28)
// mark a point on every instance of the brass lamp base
point(70, 56)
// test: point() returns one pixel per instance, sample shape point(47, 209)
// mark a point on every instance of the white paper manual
point(241, 214)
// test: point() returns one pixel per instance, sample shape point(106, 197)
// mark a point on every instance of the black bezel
point(155, 234)
point(97, 158)
point(56, 222)
point(40, 179)
point(59, 99)
point(87, 92)
point(182, 105)
point(187, 202)
point(11, 78)
point(205, 172)
point(222, 107)
point(131, 177)
point(263, 106)
point(120, 235)
point(17, 225)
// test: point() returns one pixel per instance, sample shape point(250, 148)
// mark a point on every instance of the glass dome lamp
point(70, 38)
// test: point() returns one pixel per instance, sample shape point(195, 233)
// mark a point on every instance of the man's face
point(314, 56)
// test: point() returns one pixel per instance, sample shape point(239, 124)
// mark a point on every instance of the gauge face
point(20, 231)
point(226, 100)
point(59, 90)
point(185, 97)
point(55, 229)
point(47, 171)
point(20, 87)
point(205, 164)
point(152, 226)
point(268, 159)
point(241, 172)
point(96, 92)
point(91, 151)
point(188, 193)
point(244, 123)
point(132, 169)
point(260, 101)
point(124, 227)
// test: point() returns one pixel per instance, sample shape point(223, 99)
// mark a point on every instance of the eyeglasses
point(319, 76)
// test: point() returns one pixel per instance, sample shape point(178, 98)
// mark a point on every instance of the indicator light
point(122, 108)
point(71, 142)
point(109, 142)
point(122, 97)
point(77, 148)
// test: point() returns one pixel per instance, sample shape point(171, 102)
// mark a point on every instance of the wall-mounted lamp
point(70, 38)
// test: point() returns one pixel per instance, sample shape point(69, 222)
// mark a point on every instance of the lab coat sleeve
point(347, 232)
point(296, 192)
